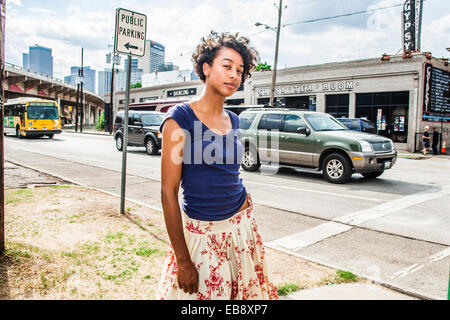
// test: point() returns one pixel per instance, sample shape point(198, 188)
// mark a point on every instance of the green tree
point(263, 67)
point(136, 85)
point(101, 121)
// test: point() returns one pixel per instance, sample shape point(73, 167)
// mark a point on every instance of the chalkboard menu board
point(436, 101)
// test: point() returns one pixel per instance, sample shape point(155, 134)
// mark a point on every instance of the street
point(394, 230)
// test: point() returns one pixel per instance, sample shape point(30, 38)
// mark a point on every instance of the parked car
point(312, 140)
point(143, 130)
point(358, 124)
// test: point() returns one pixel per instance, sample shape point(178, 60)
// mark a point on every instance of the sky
point(67, 26)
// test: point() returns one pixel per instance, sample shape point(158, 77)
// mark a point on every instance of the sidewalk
point(316, 280)
point(87, 131)
point(349, 291)
point(420, 156)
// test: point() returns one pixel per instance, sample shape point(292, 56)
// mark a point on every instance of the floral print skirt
point(229, 256)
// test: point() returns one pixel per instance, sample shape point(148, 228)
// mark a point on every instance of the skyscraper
point(104, 82)
point(120, 77)
point(154, 57)
point(88, 81)
point(39, 59)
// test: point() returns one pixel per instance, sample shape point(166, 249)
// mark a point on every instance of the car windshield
point(152, 119)
point(324, 122)
point(42, 112)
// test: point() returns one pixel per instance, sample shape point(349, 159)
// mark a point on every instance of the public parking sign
point(131, 31)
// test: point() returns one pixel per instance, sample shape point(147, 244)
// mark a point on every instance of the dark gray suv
point(143, 130)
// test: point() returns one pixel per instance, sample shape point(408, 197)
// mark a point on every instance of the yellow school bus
point(25, 117)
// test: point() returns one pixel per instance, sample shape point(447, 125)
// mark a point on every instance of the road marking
point(310, 236)
point(76, 159)
point(335, 194)
point(416, 267)
point(345, 223)
point(439, 256)
point(384, 209)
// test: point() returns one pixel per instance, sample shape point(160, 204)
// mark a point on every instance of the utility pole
point(81, 95)
point(77, 103)
point(274, 72)
point(111, 104)
point(2, 147)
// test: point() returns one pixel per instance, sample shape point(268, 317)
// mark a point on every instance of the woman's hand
point(187, 277)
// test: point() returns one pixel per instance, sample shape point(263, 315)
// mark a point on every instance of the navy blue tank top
point(212, 189)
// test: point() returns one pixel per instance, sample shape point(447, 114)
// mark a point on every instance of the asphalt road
point(394, 229)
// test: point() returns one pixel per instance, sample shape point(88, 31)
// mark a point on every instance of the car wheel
point(372, 175)
point(250, 160)
point(119, 142)
point(50, 136)
point(150, 147)
point(336, 168)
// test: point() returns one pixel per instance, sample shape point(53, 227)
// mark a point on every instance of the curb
point(87, 132)
point(387, 285)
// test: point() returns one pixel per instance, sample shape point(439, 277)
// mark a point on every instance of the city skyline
point(65, 28)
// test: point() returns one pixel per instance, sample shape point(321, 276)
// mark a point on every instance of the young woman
point(216, 251)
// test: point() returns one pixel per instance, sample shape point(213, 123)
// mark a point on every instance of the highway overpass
point(20, 82)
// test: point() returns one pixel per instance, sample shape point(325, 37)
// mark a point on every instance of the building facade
point(39, 59)
point(166, 77)
point(88, 78)
point(157, 56)
point(153, 60)
point(120, 76)
point(104, 82)
point(399, 95)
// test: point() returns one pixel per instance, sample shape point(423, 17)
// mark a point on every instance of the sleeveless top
point(212, 189)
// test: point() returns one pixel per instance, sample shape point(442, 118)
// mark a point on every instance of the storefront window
point(388, 111)
point(337, 105)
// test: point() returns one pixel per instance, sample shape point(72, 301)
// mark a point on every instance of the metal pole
point(2, 147)
point(125, 138)
point(110, 117)
point(81, 96)
point(274, 72)
point(77, 104)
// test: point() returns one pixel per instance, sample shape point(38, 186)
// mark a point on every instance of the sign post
point(129, 39)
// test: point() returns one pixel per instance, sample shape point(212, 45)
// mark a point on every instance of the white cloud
point(17, 3)
point(179, 25)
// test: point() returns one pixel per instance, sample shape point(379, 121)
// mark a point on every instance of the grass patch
point(345, 277)
point(18, 196)
point(340, 277)
point(109, 260)
point(287, 289)
point(146, 252)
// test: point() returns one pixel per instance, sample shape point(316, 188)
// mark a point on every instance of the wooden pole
point(81, 95)
point(111, 104)
point(275, 62)
point(2, 147)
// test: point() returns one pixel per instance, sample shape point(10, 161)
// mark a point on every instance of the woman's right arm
point(171, 166)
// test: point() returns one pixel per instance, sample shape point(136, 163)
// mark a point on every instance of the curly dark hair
point(207, 50)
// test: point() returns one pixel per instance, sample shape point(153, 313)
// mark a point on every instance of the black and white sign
point(131, 31)
point(182, 92)
point(411, 25)
point(436, 101)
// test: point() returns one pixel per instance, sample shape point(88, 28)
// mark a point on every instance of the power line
point(344, 15)
point(254, 34)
